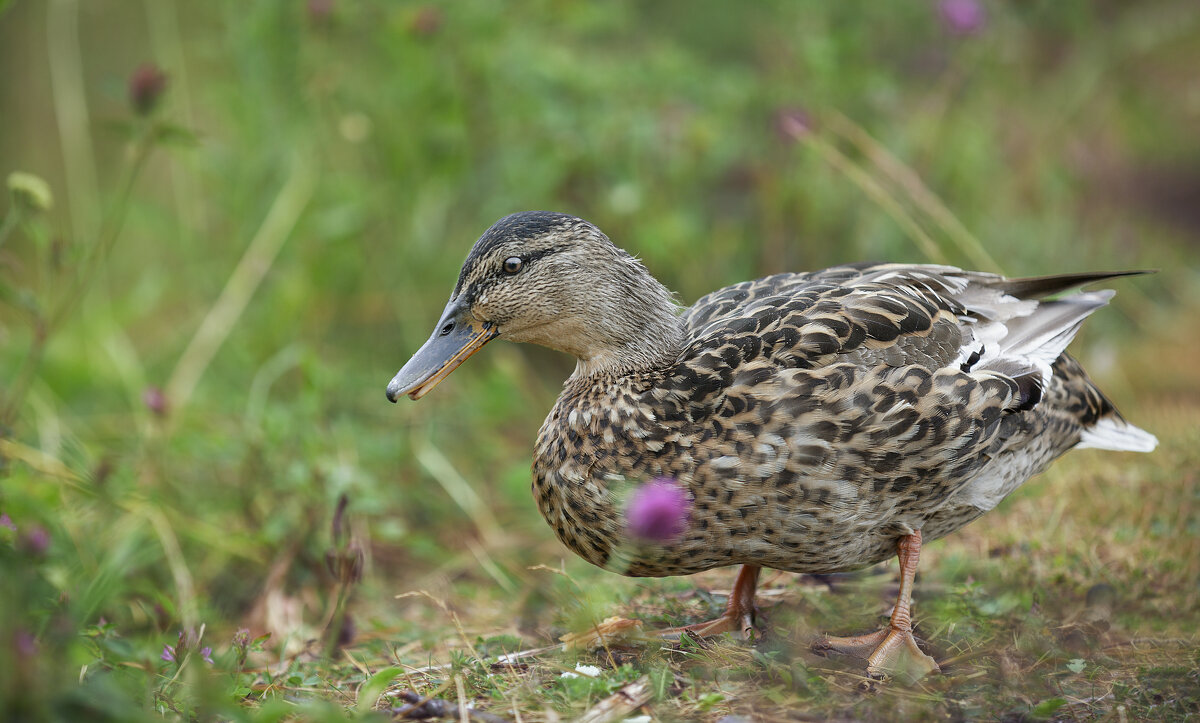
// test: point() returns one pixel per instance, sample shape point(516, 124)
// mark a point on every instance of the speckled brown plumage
point(815, 419)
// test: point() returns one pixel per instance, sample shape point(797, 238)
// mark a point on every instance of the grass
point(203, 293)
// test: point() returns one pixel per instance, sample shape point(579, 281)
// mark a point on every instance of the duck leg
point(893, 649)
point(738, 617)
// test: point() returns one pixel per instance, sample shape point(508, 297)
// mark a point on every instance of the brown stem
point(110, 229)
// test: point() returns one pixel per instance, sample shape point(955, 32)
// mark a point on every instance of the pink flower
point(155, 401)
point(658, 511)
point(36, 541)
point(792, 124)
point(963, 17)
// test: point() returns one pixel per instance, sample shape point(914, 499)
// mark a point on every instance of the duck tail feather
point(1039, 287)
point(1112, 432)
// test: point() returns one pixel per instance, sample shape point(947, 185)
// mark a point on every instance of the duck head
point(555, 280)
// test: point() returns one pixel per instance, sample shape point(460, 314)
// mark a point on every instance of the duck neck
point(638, 335)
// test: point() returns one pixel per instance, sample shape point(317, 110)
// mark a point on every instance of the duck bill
point(456, 337)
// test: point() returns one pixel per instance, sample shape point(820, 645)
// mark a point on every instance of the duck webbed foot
point(738, 617)
point(892, 650)
point(888, 652)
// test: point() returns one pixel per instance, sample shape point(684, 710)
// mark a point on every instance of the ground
point(1075, 600)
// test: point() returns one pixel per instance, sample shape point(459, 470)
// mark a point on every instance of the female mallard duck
point(818, 421)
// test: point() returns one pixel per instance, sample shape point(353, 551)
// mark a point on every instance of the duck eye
point(513, 264)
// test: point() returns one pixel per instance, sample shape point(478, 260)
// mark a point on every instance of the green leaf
point(170, 134)
point(374, 687)
point(708, 700)
point(661, 679)
point(1046, 708)
point(999, 605)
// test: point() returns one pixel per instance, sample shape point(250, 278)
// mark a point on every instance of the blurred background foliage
point(257, 210)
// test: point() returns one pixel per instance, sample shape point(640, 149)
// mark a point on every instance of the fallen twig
point(620, 704)
point(505, 659)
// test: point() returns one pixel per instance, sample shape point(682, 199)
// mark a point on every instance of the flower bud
point(146, 86)
point(792, 124)
point(30, 191)
point(155, 401)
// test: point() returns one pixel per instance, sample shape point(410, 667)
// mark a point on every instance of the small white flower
point(589, 670)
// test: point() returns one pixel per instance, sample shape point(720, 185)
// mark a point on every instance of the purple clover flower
point(241, 639)
point(963, 17)
point(6, 521)
point(183, 647)
point(658, 511)
point(36, 541)
point(241, 646)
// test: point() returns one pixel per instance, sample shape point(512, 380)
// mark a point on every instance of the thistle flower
point(963, 17)
point(658, 511)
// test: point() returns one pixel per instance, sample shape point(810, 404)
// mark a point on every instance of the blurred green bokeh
point(370, 142)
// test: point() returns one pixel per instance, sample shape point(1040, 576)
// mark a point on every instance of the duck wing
point(895, 314)
point(876, 392)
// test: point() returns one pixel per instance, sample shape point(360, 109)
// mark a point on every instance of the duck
point(815, 422)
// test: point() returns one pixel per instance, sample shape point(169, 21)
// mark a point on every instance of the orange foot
point(741, 624)
point(890, 651)
point(738, 617)
point(893, 650)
